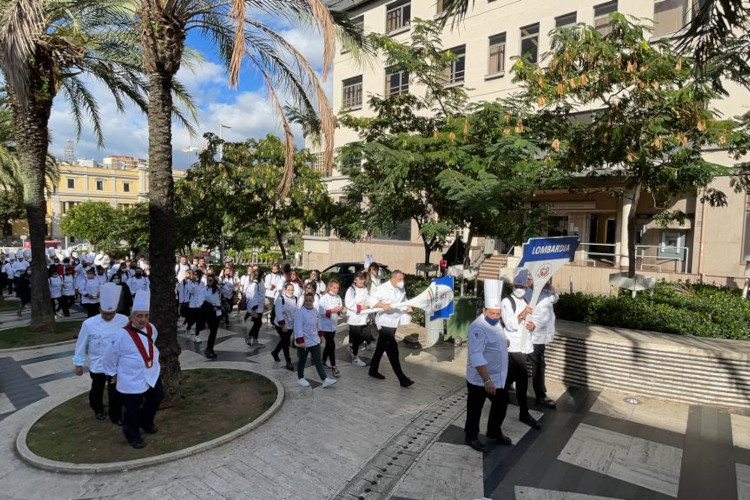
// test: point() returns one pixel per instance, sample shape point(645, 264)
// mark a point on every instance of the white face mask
point(519, 292)
point(400, 285)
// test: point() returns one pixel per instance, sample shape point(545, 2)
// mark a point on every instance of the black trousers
point(355, 337)
point(329, 351)
point(474, 405)
point(91, 309)
point(387, 344)
point(3, 282)
point(194, 318)
point(96, 396)
point(255, 329)
point(140, 410)
point(65, 302)
point(212, 320)
point(538, 365)
point(518, 373)
point(283, 344)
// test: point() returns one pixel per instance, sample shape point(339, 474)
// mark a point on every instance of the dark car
point(344, 273)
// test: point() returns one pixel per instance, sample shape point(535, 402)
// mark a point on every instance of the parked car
point(344, 272)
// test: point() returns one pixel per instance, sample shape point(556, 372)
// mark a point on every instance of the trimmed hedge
point(682, 309)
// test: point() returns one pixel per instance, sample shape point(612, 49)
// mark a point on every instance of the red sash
point(148, 359)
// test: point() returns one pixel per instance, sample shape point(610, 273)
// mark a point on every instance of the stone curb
point(54, 466)
point(39, 346)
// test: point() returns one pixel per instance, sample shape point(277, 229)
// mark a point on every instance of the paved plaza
point(365, 438)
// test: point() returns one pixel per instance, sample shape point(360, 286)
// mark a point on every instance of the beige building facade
point(714, 243)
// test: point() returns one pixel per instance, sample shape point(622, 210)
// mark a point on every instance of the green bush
point(683, 309)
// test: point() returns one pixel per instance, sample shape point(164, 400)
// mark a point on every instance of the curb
point(39, 346)
point(54, 466)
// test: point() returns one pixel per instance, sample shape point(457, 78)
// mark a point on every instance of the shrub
point(683, 309)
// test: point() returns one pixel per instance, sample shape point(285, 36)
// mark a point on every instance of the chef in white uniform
point(95, 335)
point(543, 318)
point(132, 359)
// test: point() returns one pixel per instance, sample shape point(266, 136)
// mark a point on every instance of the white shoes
point(198, 339)
point(302, 382)
point(358, 362)
point(328, 382)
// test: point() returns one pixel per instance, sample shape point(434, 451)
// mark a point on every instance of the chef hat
point(521, 278)
point(142, 301)
point(492, 293)
point(109, 297)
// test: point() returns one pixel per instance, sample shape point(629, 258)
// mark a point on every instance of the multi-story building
point(713, 244)
point(121, 181)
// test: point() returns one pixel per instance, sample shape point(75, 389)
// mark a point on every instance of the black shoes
point(500, 438)
point(289, 366)
point(406, 383)
point(101, 417)
point(546, 402)
point(209, 354)
point(275, 356)
point(151, 430)
point(138, 444)
point(376, 375)
point(530, 421)
point(476, 444)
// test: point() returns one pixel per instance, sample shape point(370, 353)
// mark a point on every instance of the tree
point(95, 221)
point(653, 117)
point(133, 226)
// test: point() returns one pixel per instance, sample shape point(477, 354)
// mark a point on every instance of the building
point(121, 181)
point(713, 245)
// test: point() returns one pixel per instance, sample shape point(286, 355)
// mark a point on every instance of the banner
point(447, 311)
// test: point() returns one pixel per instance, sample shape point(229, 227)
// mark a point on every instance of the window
point(319, 165)
point(401, 233)
point(100, 185)
point(530, 42)
point(496, 63)
point(602, 21)
point(397, 16)
point(396, 81)
point(126, 187)
point(439, 7)
point(565, 21)
point(352, 93)
point(669, 16)
point(454, 74)
point(71, 183)
point(359, 24)
point(672, 245)
point(67, 205)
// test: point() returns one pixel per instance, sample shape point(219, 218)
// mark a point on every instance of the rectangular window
point(397, 16)
point(530, 42)
point(319, 165)
point(566, 21)
point(352, 93)
point(100, 185)
point(396, 81)
point(401, 233)
point(496, 63)
point(454, 74)
point(602, 21)
point(71, 183)
point(669, 16)
point(672, 245)
point(126, 187)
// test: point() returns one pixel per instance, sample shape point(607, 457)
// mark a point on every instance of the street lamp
point(190, 149)
point(221, 136)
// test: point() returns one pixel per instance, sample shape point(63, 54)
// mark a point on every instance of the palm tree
point(240, 38)
point(51, 47)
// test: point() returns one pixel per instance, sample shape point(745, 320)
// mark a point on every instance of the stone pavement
point(364, 438)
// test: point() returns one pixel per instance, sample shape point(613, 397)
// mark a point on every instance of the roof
point(346, 5)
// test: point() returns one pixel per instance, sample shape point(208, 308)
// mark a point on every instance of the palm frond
point(21, 25)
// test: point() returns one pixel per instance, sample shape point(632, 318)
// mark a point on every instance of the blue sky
point(246, 109)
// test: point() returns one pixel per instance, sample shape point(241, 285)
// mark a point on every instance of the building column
point(621, 245)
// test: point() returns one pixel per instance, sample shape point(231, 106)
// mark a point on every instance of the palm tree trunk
point(32, 140)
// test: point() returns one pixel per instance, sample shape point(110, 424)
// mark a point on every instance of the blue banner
point(447, 311)
point(556, 248)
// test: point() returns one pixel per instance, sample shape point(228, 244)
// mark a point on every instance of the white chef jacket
point(306, 326)
point(388, 294)
point(356, 299)
point(183, 291)
point(123, 359)
point(68, 286)
point(93, 339)
point(286, 307)
point(212, 297)
point(19, 267)
point(513, 328)
point(90, 287)
point(228, 286)
point(301, 301)
point(329, 319)
point(179, 270)
point(544, 317)
point(136, 285)
point(99, 259)
point(274, 284)
point(255, 297)
point(55, 287)
point(102, 278)
point(8, 270)
point(196, 291)
point(320, 286)
point(487, 347)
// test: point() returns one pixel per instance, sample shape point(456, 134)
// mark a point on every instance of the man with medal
point(95, 335)
point(132, 360)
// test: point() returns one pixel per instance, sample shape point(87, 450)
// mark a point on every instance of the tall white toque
point(109, 297)
point(493, 290)
point(142, 301)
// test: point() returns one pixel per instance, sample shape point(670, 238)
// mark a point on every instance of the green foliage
point(699, 310)
point(92, 221)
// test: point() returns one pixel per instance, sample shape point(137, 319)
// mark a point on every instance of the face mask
point(290, 295)
point(400, 285)
point(116, 281)
point(331, 294)
point(491, 321)
point(519, 292)
point(309, 308)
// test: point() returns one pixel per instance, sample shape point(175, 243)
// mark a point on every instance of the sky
point(246, 109)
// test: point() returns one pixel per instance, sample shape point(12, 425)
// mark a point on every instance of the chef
point(89, 290)
point(132, 359)
point(544, 320)
point(95, 335)
point(486, 370)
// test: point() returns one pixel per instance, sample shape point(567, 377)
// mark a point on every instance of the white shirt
point(321, 287)
point(356, 299)
point(102, 277)
point(228, 286)
point(90, 287)
point(306, 326)
point(211, 296)
point(19, 267)
point(180, 270)
point(388, 294)
point(316, 301)
point(139, 284)
point(329, 319)
point(487, 347)
point(273, 284)
point(286, 308)
point(183, 291)
point(123, 359)
point(99, 259)
point(68, 286)
point(93, 339)
point(513, 328)
point(254, 296)
point(7, 269)
point(55, 286)
point(196, 294)
point(544, 317)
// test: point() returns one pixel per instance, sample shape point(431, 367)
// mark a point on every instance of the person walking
point(89, 291)
point(183, 297)
point(211, 311)
point(330, 308)
point(307, 340)
point(68, 290)
point(286, 308)
point(320, 286)
point(390, 292)
point(195, 290)
point(23, 290)
point(543, 318)
point(126, 298)
point(255, 300)
point(96, 334)
point(486, 370)
point(228, 285)
point(55, 289)
point(355, 300)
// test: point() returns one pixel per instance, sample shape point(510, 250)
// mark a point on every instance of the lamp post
point(189, 150)
point(221, 136)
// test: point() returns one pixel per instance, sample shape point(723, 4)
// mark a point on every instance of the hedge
point(682, 309)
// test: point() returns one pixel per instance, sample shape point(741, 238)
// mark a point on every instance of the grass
point(23, 337)
point(215, 402)
point(9, 305)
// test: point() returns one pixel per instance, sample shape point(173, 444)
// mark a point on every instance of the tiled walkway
point(369, 439)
